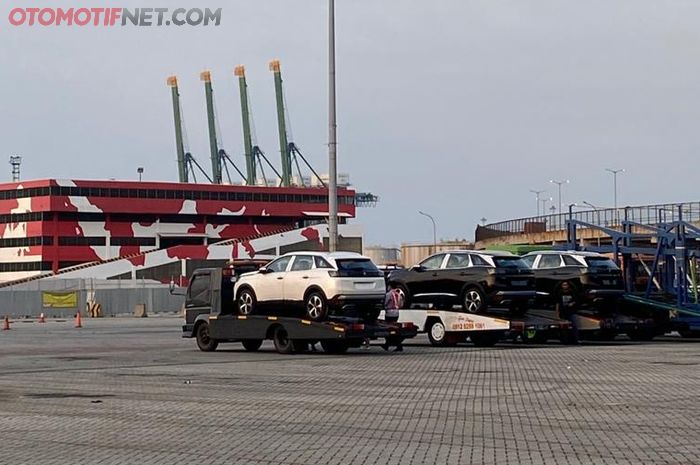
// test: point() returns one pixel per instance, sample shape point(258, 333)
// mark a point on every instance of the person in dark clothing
point(566, 308)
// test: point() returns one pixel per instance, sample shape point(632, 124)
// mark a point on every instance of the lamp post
point(332, 136)
point(614, 173)
point(434, 230)
point(139, 170)
point(559, 184)
point(537, 197)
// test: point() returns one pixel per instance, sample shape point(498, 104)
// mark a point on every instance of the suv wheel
point(245, 304)
point(404, 298)
point(473, 300)
point(316, 306)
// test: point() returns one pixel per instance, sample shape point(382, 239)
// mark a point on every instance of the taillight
point(357, 327)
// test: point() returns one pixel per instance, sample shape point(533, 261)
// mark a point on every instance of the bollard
point(78, 321)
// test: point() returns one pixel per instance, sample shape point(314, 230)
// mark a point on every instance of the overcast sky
point(453, 107)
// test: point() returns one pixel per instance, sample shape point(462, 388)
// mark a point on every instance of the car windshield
point(602, 263)
point(357, 267)
point(510, 262)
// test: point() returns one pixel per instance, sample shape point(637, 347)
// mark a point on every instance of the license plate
point(518, 283)
point(364, 285)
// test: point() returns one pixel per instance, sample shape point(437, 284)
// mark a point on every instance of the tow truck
point(211, 319)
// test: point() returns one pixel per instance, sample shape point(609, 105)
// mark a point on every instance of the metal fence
point(607, 217)
point(114, 297)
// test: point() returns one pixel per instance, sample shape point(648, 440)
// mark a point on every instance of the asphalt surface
point(125, 391)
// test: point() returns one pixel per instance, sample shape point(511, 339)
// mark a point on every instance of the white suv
point(315, 281)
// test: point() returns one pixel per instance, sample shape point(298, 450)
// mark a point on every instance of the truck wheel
point(473, 300)
point(334, 347)
point(283, 344)
point(246, 302)
point(252, 345)
point(437, 334)
point(316, 306)
point(204, 341)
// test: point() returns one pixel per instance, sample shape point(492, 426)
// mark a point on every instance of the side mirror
point(174, 290)
point(263, 270)
point(418, 268)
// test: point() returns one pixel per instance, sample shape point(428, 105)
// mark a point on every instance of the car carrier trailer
point(451, 327)
point(210, 318)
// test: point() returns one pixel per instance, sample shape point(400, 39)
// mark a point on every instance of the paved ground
point(131, 391)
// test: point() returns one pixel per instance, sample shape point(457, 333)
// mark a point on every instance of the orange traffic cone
point(42, 318)
point(78, 321)
point(6, 324)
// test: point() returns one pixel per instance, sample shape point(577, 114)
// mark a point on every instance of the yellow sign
point(59, 299)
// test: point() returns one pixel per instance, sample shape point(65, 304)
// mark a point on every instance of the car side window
point(198, 293)
point(279, 265)
point(322, 263)
point(550, 261)
point(478, 261)
point(302, 263)
point(458, 261)
point(529, 260)
point(433, 263)
point(570, 261)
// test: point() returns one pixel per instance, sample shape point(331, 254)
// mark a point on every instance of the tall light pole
point(559, 184)
point(537, 197)
point(332, 136)
point(434, 230)
point(614, 173)
point(544, 205)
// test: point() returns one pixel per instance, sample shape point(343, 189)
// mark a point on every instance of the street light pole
point(614, 173)
point(434, 230)
point(332, 136)
point(537, 196)
point(559, 184)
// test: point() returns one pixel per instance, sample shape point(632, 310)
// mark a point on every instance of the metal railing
point(607, 217)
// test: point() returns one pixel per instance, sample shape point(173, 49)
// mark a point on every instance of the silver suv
point(315, 281)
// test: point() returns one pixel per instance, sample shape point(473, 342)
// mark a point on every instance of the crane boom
point(282, 125)
point(251, 174)
point(213, 145)
point(179, 144)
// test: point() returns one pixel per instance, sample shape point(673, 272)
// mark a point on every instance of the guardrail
point(605, 217)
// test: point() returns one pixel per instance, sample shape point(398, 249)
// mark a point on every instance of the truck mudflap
point(188, 330)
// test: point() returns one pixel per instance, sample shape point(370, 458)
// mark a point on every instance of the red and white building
point(52, 224)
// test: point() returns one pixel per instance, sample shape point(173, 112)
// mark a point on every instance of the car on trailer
point(476, 280)
point(313, 284)
point(211, 318)
point(594, 278)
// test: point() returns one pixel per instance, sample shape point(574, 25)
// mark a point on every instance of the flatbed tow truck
point(451, 327)
point(210, 318)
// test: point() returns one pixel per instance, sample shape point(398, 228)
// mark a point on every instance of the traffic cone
point(6, 324)
point(78, 321)
point(42, 318)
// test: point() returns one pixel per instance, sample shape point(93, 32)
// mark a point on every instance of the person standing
point(392, 303)
point(566, 308)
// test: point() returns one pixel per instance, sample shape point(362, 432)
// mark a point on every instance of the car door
point(421, 279)
point(548, 272)
point(454, 273)
point(269, 286)
point(298, 278)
